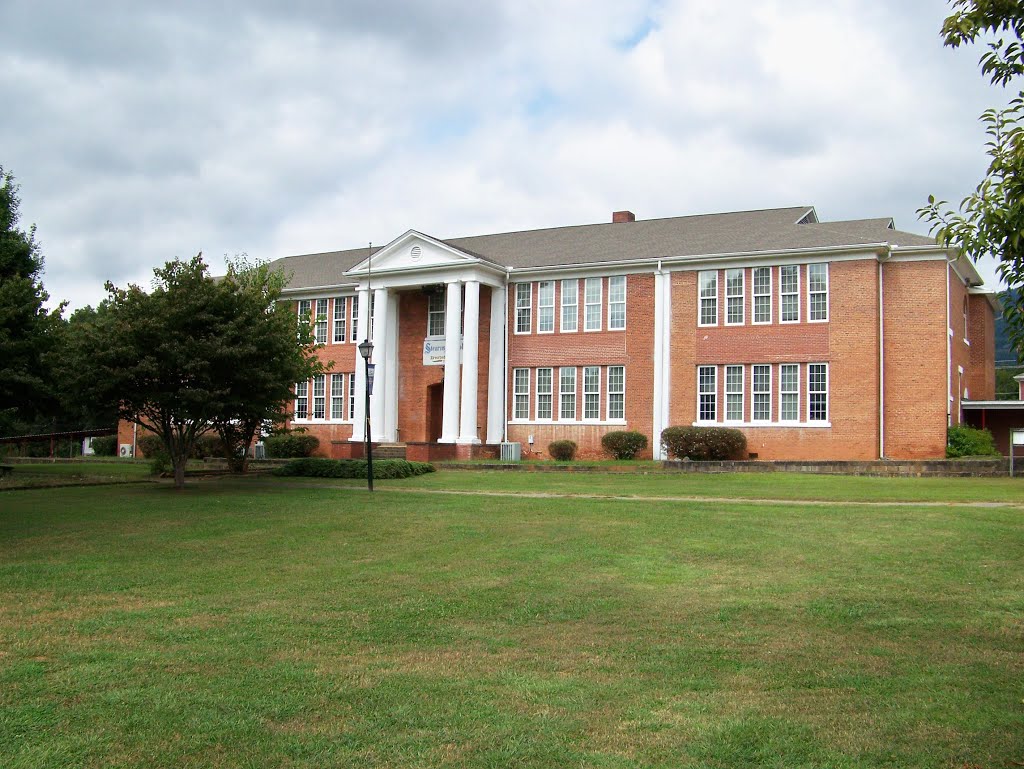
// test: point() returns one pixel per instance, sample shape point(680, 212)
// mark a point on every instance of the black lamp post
point(366, 350)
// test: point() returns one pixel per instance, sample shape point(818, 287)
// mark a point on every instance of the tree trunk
point(179, 471)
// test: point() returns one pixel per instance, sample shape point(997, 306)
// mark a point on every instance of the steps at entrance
point(389, 451)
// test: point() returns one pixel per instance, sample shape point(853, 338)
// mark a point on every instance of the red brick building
point(837, 340)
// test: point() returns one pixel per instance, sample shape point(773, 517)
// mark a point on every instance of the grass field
point(263, 623)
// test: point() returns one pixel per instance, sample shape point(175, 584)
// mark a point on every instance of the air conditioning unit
point(511, 452)
point(126, 451)
point(259, 451)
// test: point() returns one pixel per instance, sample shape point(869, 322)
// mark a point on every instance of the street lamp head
point(366, 349)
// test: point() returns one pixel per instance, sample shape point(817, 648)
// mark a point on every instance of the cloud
point(143, 133)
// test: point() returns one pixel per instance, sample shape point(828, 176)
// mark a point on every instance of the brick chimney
point(623, 216)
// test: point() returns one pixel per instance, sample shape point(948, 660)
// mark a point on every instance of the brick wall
point(981, 371)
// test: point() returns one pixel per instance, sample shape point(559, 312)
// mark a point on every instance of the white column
point(380, 354)
point(470, 364)
point(496, 368)
point(391, 363)
point(362, 326)
point(450, 405)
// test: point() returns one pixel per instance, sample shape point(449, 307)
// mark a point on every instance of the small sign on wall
point(434, 351)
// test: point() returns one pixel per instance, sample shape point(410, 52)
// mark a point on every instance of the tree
point(265, 371)
point(28, 331)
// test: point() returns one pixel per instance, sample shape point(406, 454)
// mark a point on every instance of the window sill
point(569, 422)
point(769, 425)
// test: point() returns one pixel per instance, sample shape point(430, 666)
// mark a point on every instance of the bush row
point(290, 445)
point(316, 467)
point(703, 444)
point(970, 442)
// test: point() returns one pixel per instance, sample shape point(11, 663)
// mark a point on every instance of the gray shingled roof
point(728, 233)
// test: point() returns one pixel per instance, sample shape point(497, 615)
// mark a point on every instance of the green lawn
point(44, 473)
point(272, 624)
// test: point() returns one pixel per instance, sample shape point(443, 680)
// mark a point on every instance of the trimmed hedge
point(704, 443)
point(291, 445)
point(624, 444)
point(562, 451)
point(105, 446)
point(970, 442)
point(317, 467)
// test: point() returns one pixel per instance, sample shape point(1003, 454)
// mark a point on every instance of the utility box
point(511, 452)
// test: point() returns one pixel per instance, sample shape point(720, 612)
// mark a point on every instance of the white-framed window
point(340, 320)
point(570, 305)
point(591, 392)
point(320, 324)
point(616, 392)
point(592, 304)
point(707, 393)
point(707, 281)
point(734, 393)
point(789, 293)
point(617, 303)
point(544, 390)
point(373, 311)
point(546, 307)
point(817, 289)
point(734, 297)
point(789, 392)
point(762, 279)
point(435, 313)
point(524, 307)
point(355, 318)
point(337, 396)
point(817, 392)
point(352, 396)
point(302, 400)
point(761, 393)
point(521, 393)
point(319, 400)
point(567, 393)
point(305, 308)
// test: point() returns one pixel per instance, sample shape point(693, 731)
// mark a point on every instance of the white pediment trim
point(412, 251)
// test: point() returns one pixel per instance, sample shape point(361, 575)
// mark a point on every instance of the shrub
point(290, 445)
point(624, 444)
point(105, 446)
point(970, 442)
point(208, 445)
point(562, 451)
point(704, 443)
point(316, 467)
point(152, 448)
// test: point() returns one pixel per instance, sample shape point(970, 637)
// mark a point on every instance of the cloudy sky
point(144, 131)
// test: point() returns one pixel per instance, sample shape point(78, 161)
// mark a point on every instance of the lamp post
point(366, 350)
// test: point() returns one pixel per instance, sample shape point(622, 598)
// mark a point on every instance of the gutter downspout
point(949, 353)
point(135, 439)
point(881, 355)
point(504, 361)
point(659, 331)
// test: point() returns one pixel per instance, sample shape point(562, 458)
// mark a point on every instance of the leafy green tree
point(28, 331)
point(267, 358)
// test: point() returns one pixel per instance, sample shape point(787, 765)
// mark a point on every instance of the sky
point(140, 132)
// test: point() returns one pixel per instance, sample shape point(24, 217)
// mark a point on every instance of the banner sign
point(369, 376)
point(434, 351)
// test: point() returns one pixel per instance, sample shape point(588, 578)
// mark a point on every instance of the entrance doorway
point(435, 411)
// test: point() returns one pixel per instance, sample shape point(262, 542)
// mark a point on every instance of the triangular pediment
point(413, 251)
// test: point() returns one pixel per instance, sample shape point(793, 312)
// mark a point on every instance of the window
point(301, 400)
point(320, 324)
point(707, 389)
point(543, 393)
point(734, 393)
point(546, 307)
point(304, 309)
point(762, 295)
point(524, 307)
point(616, 392)
point(617, 303)
point(521, 391)
point(817, 287)
point(340, 317)
point(355, 318)
point(435, 314)
point(337, 396)
point(373, 310)
point(734, 296)
point(352, 396)
point(761, 388)
point(318, 396)
point(567, 393)
point(708, 282)
point(789, 392)
point(591, 392)
point(592, 304)
point(570, 305)
point(817, 392)
point(789, 293)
